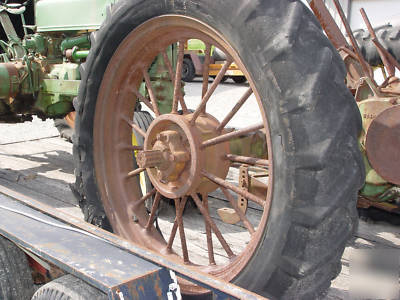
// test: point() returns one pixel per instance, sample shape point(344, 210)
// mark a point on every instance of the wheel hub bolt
point(149, 159)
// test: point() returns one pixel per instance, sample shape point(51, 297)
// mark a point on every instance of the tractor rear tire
point(16, 281)
point(314, 124)
point(387, 35)
point(68, 287)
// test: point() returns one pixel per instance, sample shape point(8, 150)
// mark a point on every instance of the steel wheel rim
point(119, 76)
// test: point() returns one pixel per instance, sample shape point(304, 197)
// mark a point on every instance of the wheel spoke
point(179, 220)
point(178, 76)
point(234, 188)
point(214, 227)
point(248, 160)
point(144, 198)
point(168, 64)
point(135, 172)
point(235, 109)
point(175, 226)
point(129, 147)
point(156, 203)
point(210, 91)
point(134, 126)
point(227, 136)
point(210, 247)
point(143, 99)
point(151, 92)
point(237, 209)
point(206, 69)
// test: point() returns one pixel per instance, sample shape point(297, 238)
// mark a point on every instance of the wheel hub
point(174, 158)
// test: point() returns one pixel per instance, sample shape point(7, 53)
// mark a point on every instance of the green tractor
point(117, 65)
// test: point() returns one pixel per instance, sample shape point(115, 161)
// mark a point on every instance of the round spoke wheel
point(187, 153)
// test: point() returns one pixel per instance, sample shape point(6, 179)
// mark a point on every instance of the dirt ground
point(36, 162)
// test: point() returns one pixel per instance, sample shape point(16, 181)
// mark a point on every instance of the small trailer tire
point(188, 70)
point(68, 287)
point(15, 275)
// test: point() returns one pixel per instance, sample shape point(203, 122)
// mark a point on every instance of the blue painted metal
point(100, 258)
point(99, 263)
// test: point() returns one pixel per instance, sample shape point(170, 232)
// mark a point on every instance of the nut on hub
point(168, 156)
point(174, 158)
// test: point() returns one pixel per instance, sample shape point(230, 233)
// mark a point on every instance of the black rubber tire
point(225, 78)
point(188, 70)
point(314, 123)
point(388, 36)
point(16, 281)
point(218, 55)
point(239, 79)
point(66, 132)
point(68, 287)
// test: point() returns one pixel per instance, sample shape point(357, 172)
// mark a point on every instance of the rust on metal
point(214, 227)
point(178, 76)
point(328, 24)
point(365, 67)
point(210, 247)
point(235, 109)
point(230, 135)
point(210, 91)
point(365, 203)
point(383, 144)
point(244, 181)
point(239, 211)
point(383, 54)
point(234, 188)
point(254, 161)
point(197, 143)
point(70, 119)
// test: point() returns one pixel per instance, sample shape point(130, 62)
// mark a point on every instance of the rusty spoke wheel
point(184, 155)
point(260, 181)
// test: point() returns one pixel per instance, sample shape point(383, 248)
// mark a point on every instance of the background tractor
point(194, 59)
point(142, 139)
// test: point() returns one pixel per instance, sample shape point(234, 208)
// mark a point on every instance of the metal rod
point(179, 219)
point(329, 25)
point(229, 186)
point(129, 147)
point(144, 198)
point(135, 172)
point(168, 64)
point(134, 126)
point(389, 67)
point(227, 136)
point(156, 203)
point(365, 67)
point(175, 226)
point(214, 227)
point(178, 76)
point(248, 160)
point(143, 99)
point(210, 91)
point(206, 69)
point(151, 92)
point(235, 109)
point(210, 248)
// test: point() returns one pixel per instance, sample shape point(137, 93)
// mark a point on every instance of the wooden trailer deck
point(36, 162)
